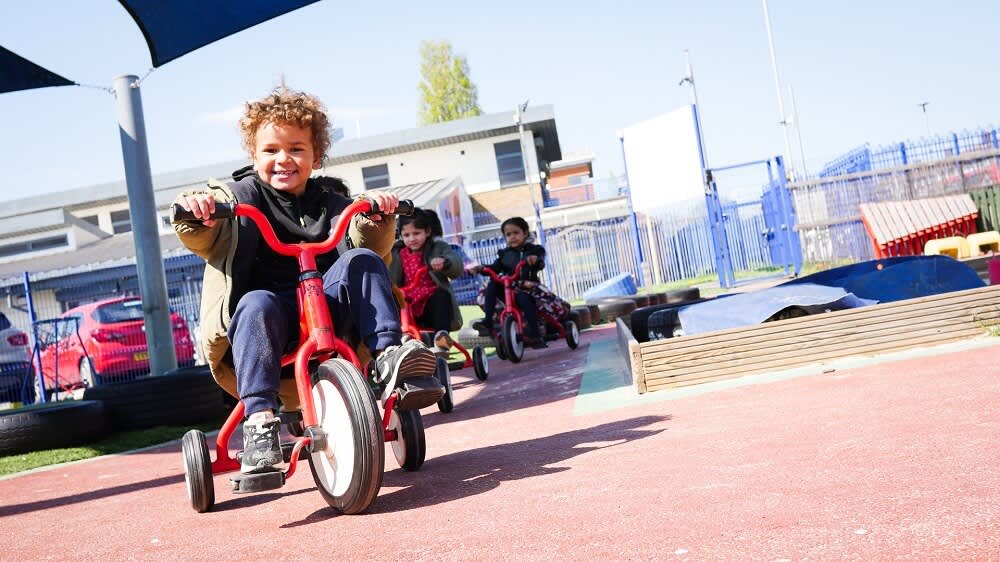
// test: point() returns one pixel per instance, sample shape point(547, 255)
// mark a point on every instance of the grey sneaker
point(409, 367)
point(261, 448)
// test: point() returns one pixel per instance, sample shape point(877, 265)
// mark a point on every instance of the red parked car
point(106, 341)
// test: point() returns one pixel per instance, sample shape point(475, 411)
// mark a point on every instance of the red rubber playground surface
point(556, 458)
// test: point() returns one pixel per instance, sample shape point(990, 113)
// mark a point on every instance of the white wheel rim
point(575, 331)
point(86, 373)
point(399, 444)
point(335, 464)
point(485, 364)
point(516, 345)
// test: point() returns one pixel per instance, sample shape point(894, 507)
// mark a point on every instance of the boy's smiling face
point(284, 157)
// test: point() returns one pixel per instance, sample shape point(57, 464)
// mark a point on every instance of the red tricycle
point(339, 429)
point(477, 360)
point(508, 331)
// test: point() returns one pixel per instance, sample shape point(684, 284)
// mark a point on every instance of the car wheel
point(88, 376)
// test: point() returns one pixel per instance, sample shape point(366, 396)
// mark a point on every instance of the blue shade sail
point(175, 28)
point(18, 73)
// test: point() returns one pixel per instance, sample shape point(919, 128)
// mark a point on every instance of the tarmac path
point(556, 458)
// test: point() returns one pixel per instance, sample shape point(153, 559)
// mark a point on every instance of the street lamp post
point(519, 119)
point(927, 123)
point(777, 86)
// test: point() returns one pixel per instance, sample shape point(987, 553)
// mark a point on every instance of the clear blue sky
point(858, 69)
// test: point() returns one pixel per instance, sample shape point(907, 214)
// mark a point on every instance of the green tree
point(446, 91)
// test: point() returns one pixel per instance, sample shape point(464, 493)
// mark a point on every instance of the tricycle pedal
point(262, 482)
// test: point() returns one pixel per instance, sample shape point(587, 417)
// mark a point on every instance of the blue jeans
point(265, 323)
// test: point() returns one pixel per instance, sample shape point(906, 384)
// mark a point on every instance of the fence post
point(36, 350)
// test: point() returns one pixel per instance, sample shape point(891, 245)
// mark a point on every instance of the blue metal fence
point(828, 205)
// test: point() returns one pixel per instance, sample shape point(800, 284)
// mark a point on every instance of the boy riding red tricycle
point(340, 430)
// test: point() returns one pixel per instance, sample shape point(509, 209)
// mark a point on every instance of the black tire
point(613, 307)
point(639, 300)
point(512, 340)
point(683, 295)
point(347, 413)
point(581, 315)
point(446, 404)
point(500, 348)
point(572, 334)
point(198, 471)
point(410, 446)
point(52, 426)
point(641, 318)
point(179, 397)
point(480, 363)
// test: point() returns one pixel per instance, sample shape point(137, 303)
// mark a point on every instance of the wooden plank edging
point(871, 330)
point(633, 354)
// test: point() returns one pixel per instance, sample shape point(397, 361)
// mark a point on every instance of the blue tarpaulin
point(894, 279)
point(745, 309)
point(850, 286)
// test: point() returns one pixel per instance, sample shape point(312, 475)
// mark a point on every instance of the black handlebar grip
point(404, 207)
point(222, 211)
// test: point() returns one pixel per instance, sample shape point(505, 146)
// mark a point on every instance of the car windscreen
point(125, 311)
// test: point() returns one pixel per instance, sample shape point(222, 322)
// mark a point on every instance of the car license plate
point(141, 356)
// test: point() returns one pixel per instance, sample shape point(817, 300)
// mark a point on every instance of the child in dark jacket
point(516, 233)
point(249, 303)
point(431, 301)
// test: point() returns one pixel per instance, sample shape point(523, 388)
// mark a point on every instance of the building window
point(34, 245)
point(510, 164)
point(92, 219)
point(376, 176)
point(120, 222)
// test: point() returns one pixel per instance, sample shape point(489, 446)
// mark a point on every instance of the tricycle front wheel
point(348, 471)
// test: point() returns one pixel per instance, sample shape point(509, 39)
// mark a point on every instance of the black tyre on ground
point(572, 334)
point(60, 424)
point(581, 314)
point(640, 325)
point(198, 471)
point(480, 364)
point(347, 414)
point(410, 446)
point(179, 397)
point(446, 404)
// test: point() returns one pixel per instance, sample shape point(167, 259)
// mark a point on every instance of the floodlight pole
point(713, 206)
point(145, 227)
point(777, 87)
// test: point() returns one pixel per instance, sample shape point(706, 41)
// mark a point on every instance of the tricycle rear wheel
point(198, 471)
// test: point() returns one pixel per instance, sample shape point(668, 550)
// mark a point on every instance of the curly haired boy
point(249, 310)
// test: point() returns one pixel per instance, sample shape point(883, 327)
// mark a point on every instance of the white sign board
point(662, 160)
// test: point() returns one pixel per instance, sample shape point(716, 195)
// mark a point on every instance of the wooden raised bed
point(774, 346)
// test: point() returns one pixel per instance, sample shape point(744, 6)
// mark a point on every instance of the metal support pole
point(631, 213)
point(777, 83)
point(716, 219)
point(145, 227)
point(40, 397)
point(788, 219)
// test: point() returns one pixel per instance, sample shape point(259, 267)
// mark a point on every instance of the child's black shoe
point(261, 447)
